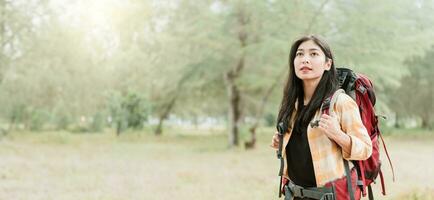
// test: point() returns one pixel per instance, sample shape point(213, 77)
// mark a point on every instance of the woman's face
point(310, 61)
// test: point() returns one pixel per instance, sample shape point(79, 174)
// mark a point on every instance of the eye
point(299, 54)
point(314, 54)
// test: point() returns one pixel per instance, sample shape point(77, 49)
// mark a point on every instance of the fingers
point(324, 127)
point(323, 124)
point(329, 125)
point(324, 116)
point(324, 121)
point(275, 140)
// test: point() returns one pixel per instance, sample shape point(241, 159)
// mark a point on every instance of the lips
point(305, 68)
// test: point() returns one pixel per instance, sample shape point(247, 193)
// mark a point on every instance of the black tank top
point(299, 158)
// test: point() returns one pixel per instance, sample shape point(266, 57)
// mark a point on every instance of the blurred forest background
point(191, 71)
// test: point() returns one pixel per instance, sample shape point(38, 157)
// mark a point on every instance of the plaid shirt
point(327, 155)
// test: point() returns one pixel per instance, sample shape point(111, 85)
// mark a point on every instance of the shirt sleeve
point(348, 113)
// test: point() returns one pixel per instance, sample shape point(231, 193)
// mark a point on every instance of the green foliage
point(62, 61)
point(63, 121)
point(270, 120)
point(31, 118)
point(93, 124)
point(415, 96)
point(128, 111)
point(17, 113)
point(384, 127)
point(77, 128)
point(37, 119)
point(136, 110)
point(98, 122)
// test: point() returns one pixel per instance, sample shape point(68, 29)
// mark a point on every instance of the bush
point(97, 123)
point(63, 121)
point(128, 111)
point(136, 110)
point(37, 119)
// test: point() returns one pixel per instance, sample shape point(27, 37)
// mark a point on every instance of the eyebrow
point(313, 49)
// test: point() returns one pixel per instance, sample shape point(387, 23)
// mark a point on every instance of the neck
point(309, 87)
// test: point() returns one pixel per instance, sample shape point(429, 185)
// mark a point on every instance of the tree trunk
point(425, 122)
point(119, 127)
point(234, 111)
point(234, 94)
point(159, 129)
point(167, 109)
point(396, 124)
point(251, 144)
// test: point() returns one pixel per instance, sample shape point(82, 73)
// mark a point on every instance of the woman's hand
point(330, 126)
point(275, 140)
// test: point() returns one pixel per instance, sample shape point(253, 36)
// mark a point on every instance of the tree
point(415, 96)
point(17, 28)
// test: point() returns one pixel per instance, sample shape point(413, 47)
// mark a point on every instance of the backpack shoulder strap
point(329, 102)
point(349, 181)
point(327, 106)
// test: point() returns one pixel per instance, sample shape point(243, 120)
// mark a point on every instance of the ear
point(328, 64)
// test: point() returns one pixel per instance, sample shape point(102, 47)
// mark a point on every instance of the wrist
point(340, 136)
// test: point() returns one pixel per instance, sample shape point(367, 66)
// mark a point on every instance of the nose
point(305, 60)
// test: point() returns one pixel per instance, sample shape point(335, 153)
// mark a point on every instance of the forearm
point(343, 140)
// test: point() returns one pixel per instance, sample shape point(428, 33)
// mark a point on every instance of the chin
point(308, 77)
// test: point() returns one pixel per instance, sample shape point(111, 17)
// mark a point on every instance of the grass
point(410, 133)
point(182, 164)
point(419, 194)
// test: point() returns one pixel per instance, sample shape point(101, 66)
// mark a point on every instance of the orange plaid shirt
point(327, 155)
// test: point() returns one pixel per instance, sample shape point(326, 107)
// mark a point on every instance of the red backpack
point(360, 88)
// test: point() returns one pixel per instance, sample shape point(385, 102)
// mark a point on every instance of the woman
point(314, 155)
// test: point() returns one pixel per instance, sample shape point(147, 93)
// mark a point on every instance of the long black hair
point(294, 92)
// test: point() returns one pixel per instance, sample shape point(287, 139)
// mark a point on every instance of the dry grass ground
point(60, 165)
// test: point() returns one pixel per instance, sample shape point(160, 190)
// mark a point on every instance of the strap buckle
point(296, 190)
point(328, 196)
point(293, 190)
point(288, 193)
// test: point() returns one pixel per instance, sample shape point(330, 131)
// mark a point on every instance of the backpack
point(360, 88)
